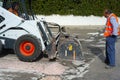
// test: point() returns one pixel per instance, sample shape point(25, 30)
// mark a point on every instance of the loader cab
point(25, 10)
point(1, 3)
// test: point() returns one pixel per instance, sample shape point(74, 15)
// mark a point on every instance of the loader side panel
point(9, 37)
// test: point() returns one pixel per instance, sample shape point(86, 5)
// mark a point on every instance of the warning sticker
point(70, 47)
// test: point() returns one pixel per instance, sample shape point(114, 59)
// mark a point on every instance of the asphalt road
point(94, 68)
point(97, 69)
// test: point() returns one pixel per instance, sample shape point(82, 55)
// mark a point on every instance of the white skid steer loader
point(28, 36)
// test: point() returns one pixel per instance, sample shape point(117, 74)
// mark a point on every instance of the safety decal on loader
point(70, 47)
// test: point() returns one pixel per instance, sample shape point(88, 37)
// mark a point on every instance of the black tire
point(1, 46)
point(28, 48)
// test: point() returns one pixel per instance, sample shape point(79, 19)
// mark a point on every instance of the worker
point(14, 8)
point(111, 33)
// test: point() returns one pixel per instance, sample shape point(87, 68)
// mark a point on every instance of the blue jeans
point(110, 50)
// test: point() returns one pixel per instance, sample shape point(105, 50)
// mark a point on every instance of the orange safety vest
point(13, 11)
point(109, 28)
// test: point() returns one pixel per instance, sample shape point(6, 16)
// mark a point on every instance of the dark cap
point(14, 4)
point(108, 11)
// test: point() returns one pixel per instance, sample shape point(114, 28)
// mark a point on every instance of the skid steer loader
point(30, 37)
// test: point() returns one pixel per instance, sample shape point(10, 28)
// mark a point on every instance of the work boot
point(109, 67)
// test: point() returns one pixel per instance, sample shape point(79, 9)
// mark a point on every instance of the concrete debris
point(89, 40)
point(98, 45)
point(101, 42)
point(78, 63)
point(71, 73)
point(93, 34)
point(51, 78)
